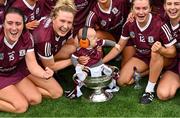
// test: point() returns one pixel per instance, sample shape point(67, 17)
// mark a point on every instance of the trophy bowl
point(97, 84)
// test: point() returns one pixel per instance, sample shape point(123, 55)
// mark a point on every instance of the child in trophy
point(90, 49)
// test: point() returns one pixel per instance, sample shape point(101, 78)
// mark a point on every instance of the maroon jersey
point(12, 55)
point(111, 20)
point(46, 42)
point(31, 12)
point(176, 34)
point(83, 8)
point(93, 53)
point(47, 6)
point(2, 10)
point(143, 38)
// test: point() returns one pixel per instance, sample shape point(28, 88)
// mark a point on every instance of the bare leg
point(127, 53)
point(127, 71)
point(12, 100)
point(29, 90)
point(168, 85)
point(49, 88)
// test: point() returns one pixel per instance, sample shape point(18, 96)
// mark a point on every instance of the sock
point(112, 84)
point(107, 71)
point(79, 93)
point(81, 76)
point(150, 87)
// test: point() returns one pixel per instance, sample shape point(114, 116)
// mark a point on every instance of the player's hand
point(99, 49)
point(48, 73)
point(130, 17)
point(156, 46)
point(32, 25)
point(83, 60)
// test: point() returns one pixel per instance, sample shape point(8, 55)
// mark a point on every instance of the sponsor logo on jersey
point(1, 56)
point(103, 23)
point(132, 34)
point(150, 39)
point(22, 53)
point(115, 10)
point(32, 17)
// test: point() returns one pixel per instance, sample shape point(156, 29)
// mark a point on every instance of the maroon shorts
point(14, 76)
point(146, 60)
point(175, 66)
point(130, 42)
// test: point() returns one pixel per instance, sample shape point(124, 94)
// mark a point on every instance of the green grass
point(124, 104)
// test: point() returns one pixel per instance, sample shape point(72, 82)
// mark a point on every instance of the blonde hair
point(64, 5)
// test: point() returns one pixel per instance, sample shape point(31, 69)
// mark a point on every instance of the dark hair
point(17, 11)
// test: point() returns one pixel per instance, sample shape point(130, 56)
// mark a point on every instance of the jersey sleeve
point(166, 36)
point(44, 50)
point(91, 19)
point(28, 41)
point(125, 31)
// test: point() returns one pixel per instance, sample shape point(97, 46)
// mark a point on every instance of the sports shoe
point(114, 89)
point(70, 94)
point(147, 98)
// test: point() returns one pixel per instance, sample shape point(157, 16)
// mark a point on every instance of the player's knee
point(122, 81)
point(163, 95)
point(21, 107)
point(57, 93)
point(36, 99)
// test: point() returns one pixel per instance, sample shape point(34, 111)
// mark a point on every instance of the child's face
point(92, 38)
point(93, 41)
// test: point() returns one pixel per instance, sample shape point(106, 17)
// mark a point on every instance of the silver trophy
point(97, 84)
point(136, 77)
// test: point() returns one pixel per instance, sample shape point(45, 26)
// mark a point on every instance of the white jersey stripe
point(166, 31)
point(89, 18)
point(169, 31)
point(47, 49)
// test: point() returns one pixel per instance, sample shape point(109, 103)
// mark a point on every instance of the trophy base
point(100, 96)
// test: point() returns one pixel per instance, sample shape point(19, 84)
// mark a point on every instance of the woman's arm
point(36, 69)
point(168, 52)
point(115, 50)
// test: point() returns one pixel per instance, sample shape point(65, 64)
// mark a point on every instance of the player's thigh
point(127, 53)
point(13, 96)
point(29, 90)
point(127, 70)
point(50, 85)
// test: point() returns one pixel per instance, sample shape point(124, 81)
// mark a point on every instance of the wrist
point(118, 47)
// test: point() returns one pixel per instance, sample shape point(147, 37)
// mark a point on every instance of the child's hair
point(64, 5)
point(17, 11)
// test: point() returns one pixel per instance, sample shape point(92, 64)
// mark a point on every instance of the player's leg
point(12, 100)
point(168, 85)
point(29, 90)
point(49, 88)
point(127, 71)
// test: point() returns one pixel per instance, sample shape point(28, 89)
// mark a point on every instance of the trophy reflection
point(136, 77)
